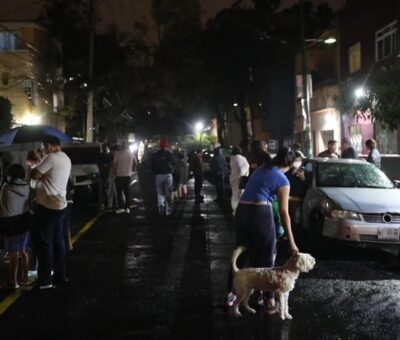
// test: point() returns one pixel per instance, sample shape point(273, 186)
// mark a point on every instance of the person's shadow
point(197, 220)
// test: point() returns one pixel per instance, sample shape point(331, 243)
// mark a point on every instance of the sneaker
point(127, 211)
point(32, 273)
point(273, 309)
point(230, 300)
point(119, 211)
point(42, 287)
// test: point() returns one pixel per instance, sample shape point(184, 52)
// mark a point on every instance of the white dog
point(278, 279)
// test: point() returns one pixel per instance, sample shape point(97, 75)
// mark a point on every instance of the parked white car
point(351, 200)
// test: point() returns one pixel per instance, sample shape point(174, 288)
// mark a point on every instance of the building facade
point(369, 40)
point(31, 77)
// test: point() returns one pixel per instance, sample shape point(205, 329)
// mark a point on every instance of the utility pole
point(89, 114)
point(305, 100)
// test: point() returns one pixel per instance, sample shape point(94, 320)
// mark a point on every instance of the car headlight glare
point(345, 214)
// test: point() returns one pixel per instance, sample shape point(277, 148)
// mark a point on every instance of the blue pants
point(48, 238)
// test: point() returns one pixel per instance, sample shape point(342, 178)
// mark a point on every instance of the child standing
point(14, 201)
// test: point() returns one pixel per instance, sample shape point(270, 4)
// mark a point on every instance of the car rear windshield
point(344, 175)
point(83, 155)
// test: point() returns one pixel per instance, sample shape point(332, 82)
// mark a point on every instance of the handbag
point(243, 181)
point(15, 225)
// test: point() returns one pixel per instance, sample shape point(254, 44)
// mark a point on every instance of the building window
point(355, 58)
point(386, 41)
point(355, 137)
point(8, 41)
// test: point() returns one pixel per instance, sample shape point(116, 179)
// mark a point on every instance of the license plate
point(388, 234)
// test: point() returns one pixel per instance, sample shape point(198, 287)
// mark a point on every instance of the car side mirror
point(396, 183)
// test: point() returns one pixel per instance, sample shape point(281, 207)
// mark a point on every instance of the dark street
point(138, 278)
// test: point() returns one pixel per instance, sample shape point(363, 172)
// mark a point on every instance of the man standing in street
point(331, 152)
point(347, 150)
point(123, 164)
point(196, 166)
point(218, 167)
point(163, 165)
point(52, 174)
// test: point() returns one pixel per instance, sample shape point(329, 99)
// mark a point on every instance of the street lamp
point(199, 126)
point(359, 92)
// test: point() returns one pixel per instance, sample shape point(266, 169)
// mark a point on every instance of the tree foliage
point(246, 46)
point(381, 99)
point(5, 114)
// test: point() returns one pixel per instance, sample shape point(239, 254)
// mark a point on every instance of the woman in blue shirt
point(255, 224)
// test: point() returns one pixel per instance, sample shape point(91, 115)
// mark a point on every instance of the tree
point(381, 98)
point(5, 114)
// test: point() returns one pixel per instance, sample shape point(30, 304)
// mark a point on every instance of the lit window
point(386, 41)
point(8, 41)
point(355, 58)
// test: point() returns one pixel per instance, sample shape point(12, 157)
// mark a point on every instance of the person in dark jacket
point(197, 168)
point(347, 150)
point(218, 168)
point(331, 152)
point(163, 163)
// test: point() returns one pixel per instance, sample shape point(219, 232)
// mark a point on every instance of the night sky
point(123, 13)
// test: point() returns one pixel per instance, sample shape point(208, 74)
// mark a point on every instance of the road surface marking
point(11, 298)
point(85, 228)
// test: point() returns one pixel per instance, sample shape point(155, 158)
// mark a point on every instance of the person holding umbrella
point(52, 174)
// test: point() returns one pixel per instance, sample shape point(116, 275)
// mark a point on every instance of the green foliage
point(5, 114)
point(381, 100)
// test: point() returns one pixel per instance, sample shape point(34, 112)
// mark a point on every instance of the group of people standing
point(45, 234)
point(348, 151)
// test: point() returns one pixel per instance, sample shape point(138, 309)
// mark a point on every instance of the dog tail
point(236, 253)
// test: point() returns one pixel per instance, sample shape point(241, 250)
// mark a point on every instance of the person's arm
point(36, 174)
point(42, 168)
point(283, 201)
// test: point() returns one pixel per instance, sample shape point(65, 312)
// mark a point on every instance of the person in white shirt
point(239, 167)
point(52, 175)
point(123, 165)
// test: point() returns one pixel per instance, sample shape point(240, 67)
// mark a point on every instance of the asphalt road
point(139, 277)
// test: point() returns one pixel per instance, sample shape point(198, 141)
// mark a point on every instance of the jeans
point(164, 192)
point(48, 239)
point(122, 184)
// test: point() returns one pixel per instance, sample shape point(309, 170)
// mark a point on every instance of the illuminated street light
point(360, 92)
point(330, 40)
point(235, 104)
point(199, 126)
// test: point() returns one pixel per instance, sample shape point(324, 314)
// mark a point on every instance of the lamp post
point(305, 98)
